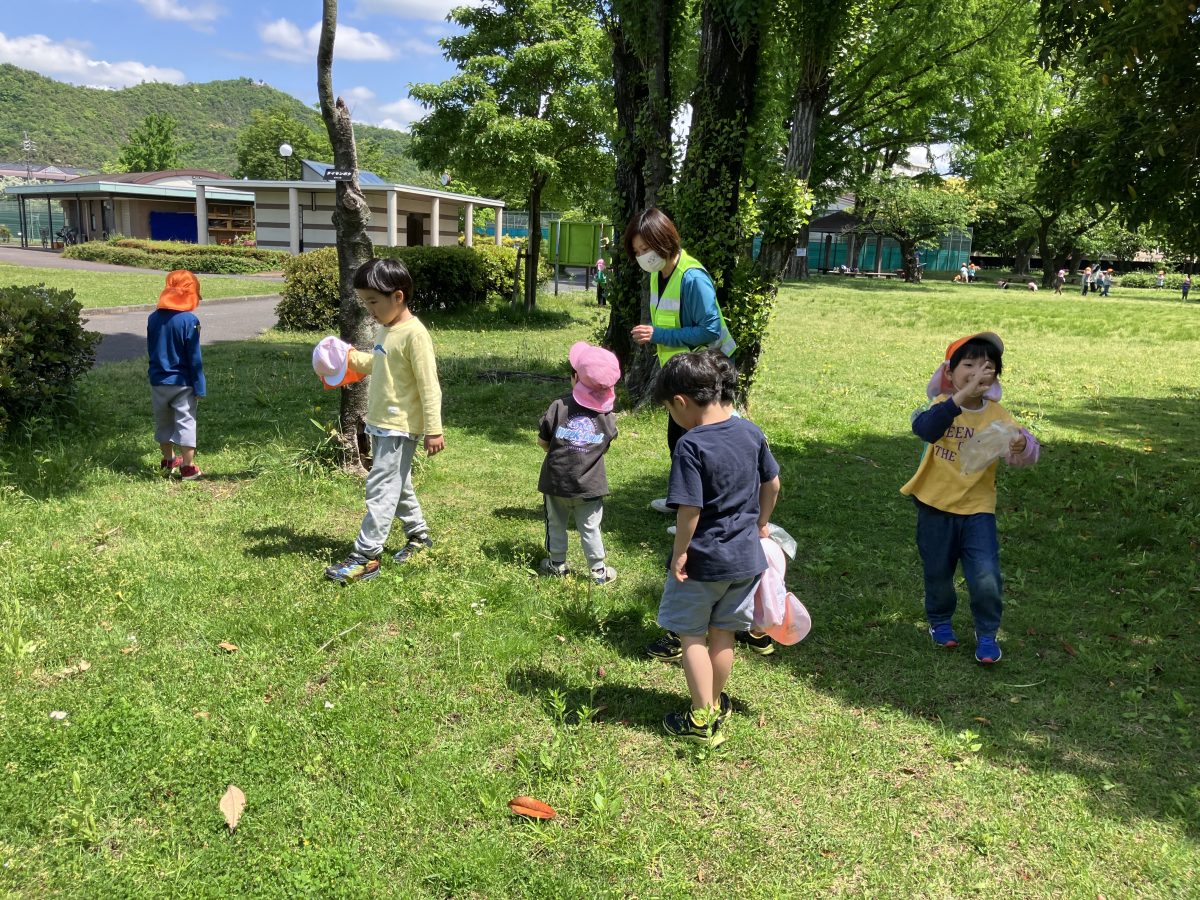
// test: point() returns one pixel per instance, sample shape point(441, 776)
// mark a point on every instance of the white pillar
point(469, 225)
point(499, 224)
point(391, 218)
point(435, 222)
point(201, 216)
point(294, 221)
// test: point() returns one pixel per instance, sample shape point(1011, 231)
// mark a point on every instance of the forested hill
point(81, 126)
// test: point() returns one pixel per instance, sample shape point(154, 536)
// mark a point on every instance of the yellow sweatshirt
point(404, 394)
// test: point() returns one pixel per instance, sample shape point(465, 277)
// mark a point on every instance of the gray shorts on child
point(692, 607)
point(174, 414)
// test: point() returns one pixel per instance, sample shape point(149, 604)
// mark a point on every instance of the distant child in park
point(176, 372)
point(1186, 286)
point(956, 507)
point(1160, 279)
point(576, 432)
point(404, 403)
point(724, 484)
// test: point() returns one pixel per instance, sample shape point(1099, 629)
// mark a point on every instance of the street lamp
point(285, 150)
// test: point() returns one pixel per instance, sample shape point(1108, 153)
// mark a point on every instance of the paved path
point(220, 320)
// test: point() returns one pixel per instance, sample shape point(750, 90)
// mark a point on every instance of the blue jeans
point(944, 539)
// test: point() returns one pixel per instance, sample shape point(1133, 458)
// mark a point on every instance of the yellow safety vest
point(664, 310)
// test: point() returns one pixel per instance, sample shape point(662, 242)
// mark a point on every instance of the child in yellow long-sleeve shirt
point(404, 403)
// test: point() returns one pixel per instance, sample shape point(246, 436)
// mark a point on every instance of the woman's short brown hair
point(655, 228)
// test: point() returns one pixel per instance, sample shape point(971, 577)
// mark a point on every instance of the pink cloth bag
point(777, 611)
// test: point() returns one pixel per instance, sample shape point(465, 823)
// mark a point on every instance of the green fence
point(37, 217)
point(952, 251)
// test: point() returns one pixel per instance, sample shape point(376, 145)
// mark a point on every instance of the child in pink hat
point(576, 432)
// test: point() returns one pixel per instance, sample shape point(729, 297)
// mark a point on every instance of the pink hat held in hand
point(330, 361)
point(597, 370)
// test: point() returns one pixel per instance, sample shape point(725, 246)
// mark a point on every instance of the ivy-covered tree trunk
point(535, 239)
point(723, 107)
point(350, 217)
point(908, 253)
point(641, 41)
point(1024, 252)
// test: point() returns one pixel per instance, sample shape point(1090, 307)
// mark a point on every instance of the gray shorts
point(692, 607)
point(174, 414)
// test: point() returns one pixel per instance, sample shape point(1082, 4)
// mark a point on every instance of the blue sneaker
point(987, 651)
point(354, 567)
point(943, 635)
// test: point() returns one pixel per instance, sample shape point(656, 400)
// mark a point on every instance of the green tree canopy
point(527, 113)
point(152, 147)
point(914, 212)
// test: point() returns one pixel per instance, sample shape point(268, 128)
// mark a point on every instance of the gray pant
point(174, 408)
point(588, 514)
point(390, 495)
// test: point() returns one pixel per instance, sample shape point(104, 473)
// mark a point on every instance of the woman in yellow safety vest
point(684, 314)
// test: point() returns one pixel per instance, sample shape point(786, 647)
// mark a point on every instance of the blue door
point(170, 226)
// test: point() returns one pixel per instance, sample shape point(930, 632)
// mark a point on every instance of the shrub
point(44, 349)
point(5, 234)
point(443, 278)
point(1172, 281)
point(206, 259)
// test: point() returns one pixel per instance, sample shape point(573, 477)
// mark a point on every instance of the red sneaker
point(169, 463)
point(189, 473)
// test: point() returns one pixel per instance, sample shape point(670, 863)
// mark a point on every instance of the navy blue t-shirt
point(720, 468)
point(173, 345)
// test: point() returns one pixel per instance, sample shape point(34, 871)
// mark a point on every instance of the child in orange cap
point(956, 507)
point(576, 432)
point(176, 372)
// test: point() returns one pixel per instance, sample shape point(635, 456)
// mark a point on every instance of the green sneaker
point(758, 643)
point(700, 726)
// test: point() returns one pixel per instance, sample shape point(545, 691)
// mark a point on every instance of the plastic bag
point(786, 542)
point(777, 611)
point(988, 445)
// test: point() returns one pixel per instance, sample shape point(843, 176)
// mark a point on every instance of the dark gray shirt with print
point(578, 439)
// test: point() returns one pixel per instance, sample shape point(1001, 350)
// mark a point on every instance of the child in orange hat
point(956, 502)
point(176, 372)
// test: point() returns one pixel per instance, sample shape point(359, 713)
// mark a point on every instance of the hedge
point(44, 349)
point(443, 278)
point(1171, 282)
point(205, 259)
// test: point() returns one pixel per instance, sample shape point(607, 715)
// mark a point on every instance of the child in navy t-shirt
point(724, 484)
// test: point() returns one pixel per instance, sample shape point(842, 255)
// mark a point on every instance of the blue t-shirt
point(173, 345)
point(720, 468)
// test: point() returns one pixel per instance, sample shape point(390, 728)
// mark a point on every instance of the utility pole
point(30, 148)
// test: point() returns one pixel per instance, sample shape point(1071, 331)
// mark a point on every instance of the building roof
point(91, 188)
point(150, 177)
point(42, 173)
point(246, 184)
point(839, 222)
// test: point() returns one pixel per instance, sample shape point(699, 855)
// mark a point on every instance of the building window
point(414, 229)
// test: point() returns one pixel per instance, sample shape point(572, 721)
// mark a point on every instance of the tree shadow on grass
point(274, 541)
point(1098, 679)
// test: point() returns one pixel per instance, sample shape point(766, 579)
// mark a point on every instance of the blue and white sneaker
point(987, 651)
point(943, 635)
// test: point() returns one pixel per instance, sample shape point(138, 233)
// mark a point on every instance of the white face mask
point(651, 262)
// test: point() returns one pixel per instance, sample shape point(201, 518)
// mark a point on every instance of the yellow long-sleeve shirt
point(404, 394)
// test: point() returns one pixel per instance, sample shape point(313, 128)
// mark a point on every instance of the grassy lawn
point(98, 290)
point(860, 762)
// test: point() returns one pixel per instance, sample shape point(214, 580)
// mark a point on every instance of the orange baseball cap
point(182, 292)
point(990, 336)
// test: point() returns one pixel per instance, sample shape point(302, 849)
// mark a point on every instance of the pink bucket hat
point(330, 360)
point(598, 370)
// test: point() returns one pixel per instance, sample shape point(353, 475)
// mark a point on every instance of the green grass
point(860, 762)
point(99, 290)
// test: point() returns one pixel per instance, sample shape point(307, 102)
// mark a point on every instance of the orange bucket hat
point(182, 292)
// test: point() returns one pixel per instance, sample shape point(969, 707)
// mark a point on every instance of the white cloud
point(429, 10)
point(285, 40)
point(420, 48)
point(70, 63)
point(199, 16)
point(401, 113)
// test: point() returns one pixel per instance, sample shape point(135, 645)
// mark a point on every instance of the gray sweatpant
point(588, 514)
point(390, 495)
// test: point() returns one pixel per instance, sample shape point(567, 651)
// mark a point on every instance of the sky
point(382, 46)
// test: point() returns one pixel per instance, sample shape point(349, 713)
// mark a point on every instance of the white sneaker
point(660, 505)
point(671, 529)
point(604, 574)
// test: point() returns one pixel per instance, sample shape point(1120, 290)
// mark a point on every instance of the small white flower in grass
point(58, 715)
point(328, 705)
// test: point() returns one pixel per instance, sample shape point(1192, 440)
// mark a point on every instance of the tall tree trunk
point(878, 253)
point(535, 239)
point(641, 34)
point(1021, 261)
point(350, 217)
point(908, 253)
point(723, 108)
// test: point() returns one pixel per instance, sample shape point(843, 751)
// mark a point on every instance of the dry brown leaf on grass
point(232, 804)
point(82, 666)
point(534, 809)
point(228, 647)
point(1070, 650)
